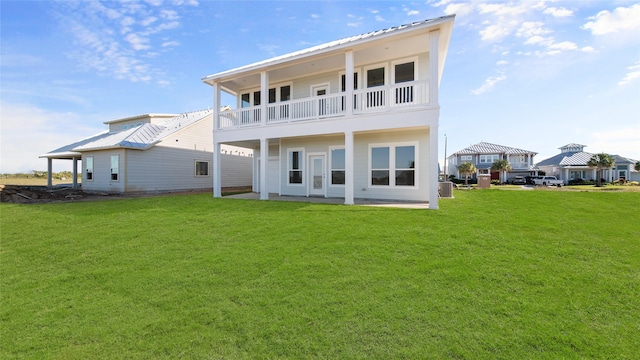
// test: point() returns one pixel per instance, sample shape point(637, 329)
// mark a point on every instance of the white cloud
point(459, 9)
point(488, 84)
point(413, 12)
point(315, 16)
point(137, 42)
point(532, 28)
point(494, 33)
point(118, 38)
point(502, 62)
point(170, 43)
point(633, 74)
point(558, 12)
point(47, 131)
point(268, 48)
point(621, 19)
point(501, 9)
point(622, 141)
point(380, 18)
point(588, 49)
point(565, 45)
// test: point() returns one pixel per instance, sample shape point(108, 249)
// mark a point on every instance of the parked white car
point(548, 181)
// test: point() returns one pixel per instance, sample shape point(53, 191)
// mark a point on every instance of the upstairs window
point(245, 101)
point(489, 159)
point(404, 72)
point(466, 158)
point(343, 82)
point(375, 77)
point(285, 93)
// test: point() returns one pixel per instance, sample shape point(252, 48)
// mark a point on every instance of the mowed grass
point(491, 275)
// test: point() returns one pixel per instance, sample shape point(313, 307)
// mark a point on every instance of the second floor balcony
point(394, 97)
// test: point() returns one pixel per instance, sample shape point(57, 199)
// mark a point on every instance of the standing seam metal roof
point(328, 45)
point(141, 137)
point(488, 148)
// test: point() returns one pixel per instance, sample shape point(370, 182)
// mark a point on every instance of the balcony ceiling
point(369, 53)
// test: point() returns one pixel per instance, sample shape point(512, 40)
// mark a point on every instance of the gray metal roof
point(573, 145)
point(140, 138)
point(331, 46)
point(488, 148)
point(579, 158)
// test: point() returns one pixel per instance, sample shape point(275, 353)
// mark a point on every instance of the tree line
point(37, 174)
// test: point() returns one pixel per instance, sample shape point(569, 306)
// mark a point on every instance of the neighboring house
point(484, 154)
point(153, 152)
point(571, 164)
point(353, 118)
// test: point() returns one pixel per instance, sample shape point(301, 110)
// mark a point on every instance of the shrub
point(495, 182)
point(581, 182)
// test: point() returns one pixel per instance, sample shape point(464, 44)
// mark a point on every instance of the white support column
point(216, 106)
point(348, 82)
point(75, 172)
point(348, 167)
point(434, 38)
point(433, 167)
point(264, 96)
point(217, 169)
point(264, 160)
point(49, 174)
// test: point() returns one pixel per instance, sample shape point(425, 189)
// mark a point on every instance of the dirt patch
point(42, 194)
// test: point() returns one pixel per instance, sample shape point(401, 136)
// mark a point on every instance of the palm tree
point(600, 162)
point(466, 169)
point(501, 165)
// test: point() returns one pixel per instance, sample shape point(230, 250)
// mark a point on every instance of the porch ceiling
point(365, 54)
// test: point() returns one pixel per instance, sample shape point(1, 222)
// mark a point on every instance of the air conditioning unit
point(445, 189)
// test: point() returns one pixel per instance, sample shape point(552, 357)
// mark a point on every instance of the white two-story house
point(353, 118)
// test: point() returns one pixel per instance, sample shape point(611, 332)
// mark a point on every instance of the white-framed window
point(277, 93)
point(356, 80)
point(489, 159)
point(337, 165)
point(393, 165)
point(88, 166)
point(295, 163)
point(404, 70)
point(466, 157)
point(115, 167)
point(376, 75)
point(202, 168)
point(577, 174)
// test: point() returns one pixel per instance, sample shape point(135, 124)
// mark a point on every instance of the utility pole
point(446, 178)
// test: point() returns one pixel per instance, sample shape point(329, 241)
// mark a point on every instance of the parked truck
point(548, 181)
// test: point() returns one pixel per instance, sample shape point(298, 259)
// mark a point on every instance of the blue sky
point(533, 74)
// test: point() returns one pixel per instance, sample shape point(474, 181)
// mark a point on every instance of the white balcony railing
point(382, 98)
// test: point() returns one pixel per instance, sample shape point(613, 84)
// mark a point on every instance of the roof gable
point(141, 137)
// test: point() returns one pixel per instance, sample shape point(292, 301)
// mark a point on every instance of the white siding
point(169, 165)
point(102, 172)
point(420, 192)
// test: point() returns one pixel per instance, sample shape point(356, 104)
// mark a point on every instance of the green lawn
point(491, 275)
